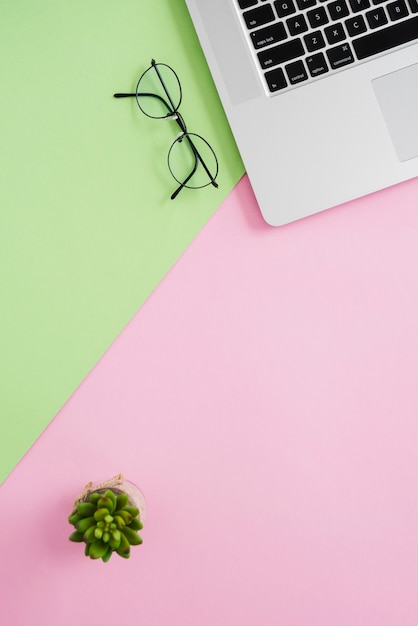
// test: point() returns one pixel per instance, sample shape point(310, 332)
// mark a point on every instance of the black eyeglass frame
point(173, 113)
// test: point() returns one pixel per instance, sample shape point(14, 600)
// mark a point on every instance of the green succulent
point(106, 523)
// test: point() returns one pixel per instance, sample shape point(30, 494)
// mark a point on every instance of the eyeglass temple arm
point(198, 157)
point(155, 66)
point(149, 95)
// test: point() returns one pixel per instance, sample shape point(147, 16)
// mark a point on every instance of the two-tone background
point(259, 384)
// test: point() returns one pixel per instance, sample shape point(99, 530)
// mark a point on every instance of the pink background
point(265, 400)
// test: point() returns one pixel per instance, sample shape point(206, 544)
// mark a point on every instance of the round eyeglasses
point(191, 159)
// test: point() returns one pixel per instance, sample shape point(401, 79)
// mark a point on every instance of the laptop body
point(315, 136)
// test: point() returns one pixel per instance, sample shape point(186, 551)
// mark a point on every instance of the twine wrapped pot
point(118, 484)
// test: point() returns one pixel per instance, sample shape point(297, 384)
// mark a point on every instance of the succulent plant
point(106, 523)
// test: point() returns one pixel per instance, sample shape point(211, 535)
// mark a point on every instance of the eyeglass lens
point(192, 161)
point(163, 87)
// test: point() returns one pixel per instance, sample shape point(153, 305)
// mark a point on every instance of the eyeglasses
point(191, 160)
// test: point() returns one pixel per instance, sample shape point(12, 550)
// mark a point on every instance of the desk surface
point(265, 399)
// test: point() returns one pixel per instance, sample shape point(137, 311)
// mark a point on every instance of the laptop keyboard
point(297, 41)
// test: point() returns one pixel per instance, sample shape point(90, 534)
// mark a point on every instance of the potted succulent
point(107, 517)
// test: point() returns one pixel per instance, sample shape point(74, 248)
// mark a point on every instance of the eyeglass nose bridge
point(180, 121)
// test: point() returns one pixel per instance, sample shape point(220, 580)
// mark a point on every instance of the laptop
point(321, 95)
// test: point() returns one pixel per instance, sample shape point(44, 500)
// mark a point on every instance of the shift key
point(281, 53)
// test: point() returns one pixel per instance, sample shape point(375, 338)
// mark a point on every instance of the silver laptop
point(321, 95)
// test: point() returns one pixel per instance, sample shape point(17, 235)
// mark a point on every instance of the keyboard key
point(397, 10)
point(359, 5)
point(338, 9)
point(276, 79)
point(317, 17)
point(281, 54)
point(335, 33)
point(305, 4)
point(284, 7)
point(296, 72)
point(385, 39)
point(314, 41)
point(316, 64)
point(246, 4)
point(269, 35)
point(258, 17)
point(413, 5)
point(355, 26)
point(340, 56)
point(376, 18)
point(297, 25)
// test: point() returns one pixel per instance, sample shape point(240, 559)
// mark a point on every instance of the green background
point(87, 229)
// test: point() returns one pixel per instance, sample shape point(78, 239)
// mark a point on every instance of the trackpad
point(397, 95)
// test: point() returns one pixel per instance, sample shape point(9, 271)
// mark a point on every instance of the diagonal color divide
point(87, 229)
